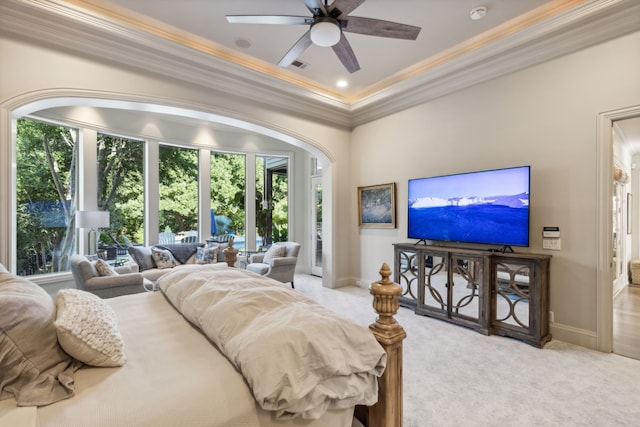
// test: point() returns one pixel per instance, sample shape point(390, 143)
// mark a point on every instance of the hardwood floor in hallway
point(626, 322)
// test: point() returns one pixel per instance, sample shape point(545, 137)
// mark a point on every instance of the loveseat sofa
point(152, 265)
point(117, 281)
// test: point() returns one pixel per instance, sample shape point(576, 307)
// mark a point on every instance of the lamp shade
point(325, 32)
point(92, 219)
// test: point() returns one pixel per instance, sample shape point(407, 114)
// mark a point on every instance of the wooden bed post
point(388, 411)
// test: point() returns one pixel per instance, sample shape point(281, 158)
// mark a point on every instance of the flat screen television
point(490, 207)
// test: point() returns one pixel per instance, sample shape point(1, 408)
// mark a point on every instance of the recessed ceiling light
point(477, 13)
point(342, 83)
point(243, 43)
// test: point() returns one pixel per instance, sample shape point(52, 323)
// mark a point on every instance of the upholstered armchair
point(122, 280)
point(279, 262)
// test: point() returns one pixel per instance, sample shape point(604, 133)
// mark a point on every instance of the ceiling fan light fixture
point(325, 32)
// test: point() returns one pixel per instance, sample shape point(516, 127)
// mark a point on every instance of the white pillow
point(105, 269)
point(163, 258)
point(87, 329)
point(275, 251)
point(3, 269)
point(207, 255)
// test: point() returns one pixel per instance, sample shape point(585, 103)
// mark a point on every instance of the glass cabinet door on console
point(406, 275)
point(433, 295)
point(468, 296)
point(444, 284)
point(520, 297)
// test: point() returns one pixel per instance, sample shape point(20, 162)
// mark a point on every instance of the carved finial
point(385, 272)
point(230, 254)
point(385, 301)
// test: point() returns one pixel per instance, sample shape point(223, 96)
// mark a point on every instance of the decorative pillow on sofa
point(163, 258)
point(220, 247)
point(275, 251)
point(33, 367)
point(87, 329)
point(207, 255)
point(142, 256)
point(105, 269)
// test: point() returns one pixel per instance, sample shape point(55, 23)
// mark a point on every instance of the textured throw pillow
point(105, 269)
point(34, 369)
point(207, 255)
point(142, 256)
point(163, 258)
point(87, 329)
point(275, 251)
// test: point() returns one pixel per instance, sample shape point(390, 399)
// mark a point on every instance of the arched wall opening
point(31, 103)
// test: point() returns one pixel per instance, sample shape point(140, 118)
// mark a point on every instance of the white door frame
point(315, 269)
point(604, 274)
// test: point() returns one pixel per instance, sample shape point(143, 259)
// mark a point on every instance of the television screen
point(489, 207)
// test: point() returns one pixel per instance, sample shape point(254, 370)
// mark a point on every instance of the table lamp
point(93, 220)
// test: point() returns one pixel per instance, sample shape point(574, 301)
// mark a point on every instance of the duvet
point(298, 358)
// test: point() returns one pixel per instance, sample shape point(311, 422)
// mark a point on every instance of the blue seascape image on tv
point(489, 207)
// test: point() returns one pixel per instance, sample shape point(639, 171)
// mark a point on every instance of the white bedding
point(173, 377)
point(298, 358)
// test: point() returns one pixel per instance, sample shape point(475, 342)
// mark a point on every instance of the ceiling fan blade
point(341, 8)
point(270, 19)
point(296, 50)
point(380, 28)
point(316, 7)
point(345, 54)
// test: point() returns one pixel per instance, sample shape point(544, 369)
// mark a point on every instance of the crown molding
point(62, 27)
point(586, 25)
point(59, 25)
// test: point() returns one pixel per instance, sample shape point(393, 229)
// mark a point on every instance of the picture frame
point(377, 206)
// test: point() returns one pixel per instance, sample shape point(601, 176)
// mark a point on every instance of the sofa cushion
point(221, 247)
point(82, 268)
point(33, 368)
point(87, 329)
point(142, 256)
point(207, 255)
point(258, 267)
point(155, 273)
point(183, 252)
point(275, 251)
point(163, 258)
point(105, 269)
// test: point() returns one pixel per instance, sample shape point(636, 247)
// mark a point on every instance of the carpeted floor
point(454, 376)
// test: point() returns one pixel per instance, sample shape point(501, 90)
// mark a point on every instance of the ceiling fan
point(327, 27)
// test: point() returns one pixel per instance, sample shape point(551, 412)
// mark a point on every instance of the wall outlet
point(551, 244)
point(551, 317)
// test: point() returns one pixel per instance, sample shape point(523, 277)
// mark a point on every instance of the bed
point(215, 347)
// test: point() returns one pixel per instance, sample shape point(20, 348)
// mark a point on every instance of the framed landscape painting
point(377, 206)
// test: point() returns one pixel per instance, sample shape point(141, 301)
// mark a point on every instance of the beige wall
point(544, 116)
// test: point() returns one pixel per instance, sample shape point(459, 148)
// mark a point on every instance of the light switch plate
point(551, 244)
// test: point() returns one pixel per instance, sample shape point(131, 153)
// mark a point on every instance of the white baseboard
point(571, 335)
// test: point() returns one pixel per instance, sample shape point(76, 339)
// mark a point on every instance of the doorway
point(607, 314)
point(626, 294)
